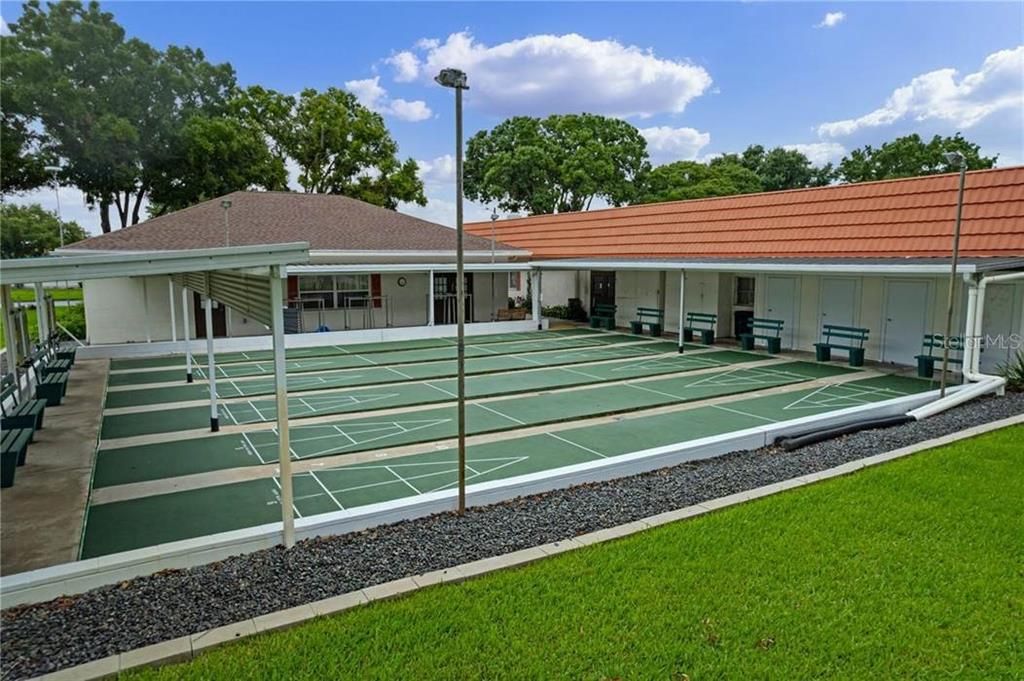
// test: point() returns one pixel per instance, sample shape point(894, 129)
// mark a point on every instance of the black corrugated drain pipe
point(792, 442)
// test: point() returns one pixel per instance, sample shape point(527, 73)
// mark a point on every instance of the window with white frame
point(745, 291)
point(334, 291)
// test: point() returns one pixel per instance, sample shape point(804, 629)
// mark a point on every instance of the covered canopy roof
point(895, 218)
point(328, 222)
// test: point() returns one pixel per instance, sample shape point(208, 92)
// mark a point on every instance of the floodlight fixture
point(955, 158)
point(452, 78)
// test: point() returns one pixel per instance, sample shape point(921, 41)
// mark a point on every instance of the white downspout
point(981, 384)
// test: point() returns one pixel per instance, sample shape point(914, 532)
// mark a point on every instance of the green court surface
point(355, 348)
point(375, 375)
point(412, 393)
point(393, 357)
point(115, 466)
point(135, 523)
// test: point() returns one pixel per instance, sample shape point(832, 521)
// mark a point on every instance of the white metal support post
point(174, 323)
point(281, 391)
point(9, 333)
point(184, 332)
point(42, 316)
point(430, 299)
point(682, 305)
point(535, 290)
point(211, 366)
point(145, 310)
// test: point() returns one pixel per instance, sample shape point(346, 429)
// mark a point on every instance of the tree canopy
point(31, 231)
point(910, 156)
point(693, 180)
point(555, 164)
point(779, 168)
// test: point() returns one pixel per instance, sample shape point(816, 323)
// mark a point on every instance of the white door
point(838, 301)
point(906, 320)
point(781, 303)
point(1000, 324)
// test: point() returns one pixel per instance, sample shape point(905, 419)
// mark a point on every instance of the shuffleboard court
point(412, 393)
point(131, 363)
point(375, 375)
point(120, 465)
point(135, 523)
point(355, 360)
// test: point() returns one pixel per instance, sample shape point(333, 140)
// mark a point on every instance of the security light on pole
point(957, 160)
point(55, 171)
point(456, 80)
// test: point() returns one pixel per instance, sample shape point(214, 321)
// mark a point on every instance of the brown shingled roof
point(329, 222)
point(893, 218)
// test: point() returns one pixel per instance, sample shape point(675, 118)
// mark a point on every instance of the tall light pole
point(226, 204)
point(55, 170)
point(954, 158)
point(456, 80)
point(494, 219)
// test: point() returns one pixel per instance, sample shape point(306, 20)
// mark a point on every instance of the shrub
point(72, 317)
point(555, 312)
point(1013, 371)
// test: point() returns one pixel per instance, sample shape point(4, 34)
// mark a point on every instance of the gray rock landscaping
point(44, 637)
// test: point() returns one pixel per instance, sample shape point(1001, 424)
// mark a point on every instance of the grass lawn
point(914, 569)
point(28, 295)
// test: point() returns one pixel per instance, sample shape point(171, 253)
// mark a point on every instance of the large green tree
point(555, 164)
point(693, 180)
point(31, 231)
point(110, 109)
point(341, 147)
point(779, 168)
point(910, 156)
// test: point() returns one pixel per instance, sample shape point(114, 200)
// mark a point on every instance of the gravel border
point(45, 637)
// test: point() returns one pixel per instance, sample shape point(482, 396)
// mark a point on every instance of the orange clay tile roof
point(892, 218)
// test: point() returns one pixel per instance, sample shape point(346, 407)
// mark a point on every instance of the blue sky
point(697, 79)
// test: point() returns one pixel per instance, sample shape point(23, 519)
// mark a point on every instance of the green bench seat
point(603, 317)
point(13, 451)
point(701, 323)
point(768, 330)
point(24, 414)
point(652, 317)
point(931, 352)
point(848, 338)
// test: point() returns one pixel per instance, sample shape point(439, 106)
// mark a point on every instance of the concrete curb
point(188, 647)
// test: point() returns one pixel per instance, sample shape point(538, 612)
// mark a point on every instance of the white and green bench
point(603, 317)
point(768, 330)
point(932, 348)
point(702, 323)
point(653, 317)
point(848, 338)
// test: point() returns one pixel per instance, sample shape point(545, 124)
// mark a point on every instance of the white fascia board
point(419, 254)
point(740, 266)
point(380, 268)
point(134, 264)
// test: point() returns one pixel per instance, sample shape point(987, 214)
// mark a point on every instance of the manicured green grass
point(914, 569)
point(28, 295)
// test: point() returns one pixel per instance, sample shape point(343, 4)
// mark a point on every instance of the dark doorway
point(220, 322)
point(445, 298)
point(602, 288)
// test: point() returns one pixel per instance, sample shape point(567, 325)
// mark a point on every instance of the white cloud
point(546, 74)
point(831, 20)
point(666, 144)
point(442, 210)
point(937, 95)
point(440, 170)
point(4, 28)
point(820, 153)
point(373, 96)
point(406, 66)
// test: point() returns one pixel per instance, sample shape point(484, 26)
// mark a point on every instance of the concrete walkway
point(42, 515)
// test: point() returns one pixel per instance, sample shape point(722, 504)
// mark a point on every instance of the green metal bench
point(24, 414)
point(653, 317)
point(13, 450)
point(935, 342)
point(51, 382)
point(62, 350)
point(702, 323)
point(768, 330)
point(848, 338)
point(603, 317)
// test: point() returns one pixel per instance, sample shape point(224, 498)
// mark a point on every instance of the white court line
point(743, 413)
point(295, 509)
point(339, 429)
point(577, 444)
point(400, 373)
point(411, 486)
point(307, 405)
point(656, 392)
point(256, 409)
point(324, 488)
point(255, 450)
point(437, 387)
point(512, 462)
point(495, 411)
point(227, 412)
